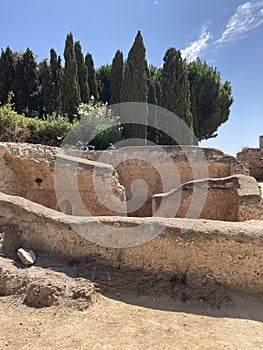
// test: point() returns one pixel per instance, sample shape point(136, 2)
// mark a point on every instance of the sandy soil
point(133, 310)
point(133, 323)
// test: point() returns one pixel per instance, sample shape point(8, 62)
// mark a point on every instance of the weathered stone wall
point(228, 199)
point(180, 165)
point(28, 171)
point(251, 159)
point(231, 254)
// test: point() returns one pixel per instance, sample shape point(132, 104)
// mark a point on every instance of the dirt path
point(114, 324)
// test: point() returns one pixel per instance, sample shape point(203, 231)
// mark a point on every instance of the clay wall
point(178, 166)
point(251, 159)
point(28, 171)
point(230, 254)
point(132, 173)
point(227, 199)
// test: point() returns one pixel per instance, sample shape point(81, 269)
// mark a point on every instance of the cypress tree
point(135, 87)
point(31, 80)
point(93, 85)
point(56, 82)
point(46, 88)
point(70, 86)
point(151, 86)
point(152, 130)
point(82, 73)
point(27, 84)
point(7, 74)
point(116, 78)
point(103, 79)
point(175, 88)
point(20, 99)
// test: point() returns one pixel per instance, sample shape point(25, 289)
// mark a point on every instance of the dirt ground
point(133, 323)
point(132, 311)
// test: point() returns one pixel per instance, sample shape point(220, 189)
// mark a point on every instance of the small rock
point(27, 256)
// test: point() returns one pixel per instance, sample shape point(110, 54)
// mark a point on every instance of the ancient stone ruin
point(221, 235)
point(252, 159)
point(28, 171)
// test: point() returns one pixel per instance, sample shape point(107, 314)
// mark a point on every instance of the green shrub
point(13, 127)
point(18, 128)
point(48, 132)
point(97, 127)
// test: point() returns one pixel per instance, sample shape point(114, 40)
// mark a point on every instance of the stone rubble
point(26, 256)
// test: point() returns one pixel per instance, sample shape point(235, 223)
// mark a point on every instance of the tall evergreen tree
point(210, 99)
point(31, 80)
point(155, 75)
point(151, 85)
point(7, 74)
point(152, 117)
point(27, 84)
point(45, 103)
point(82, 73)
point(175, 89)
point(70, 87)
point(93, 85)
point(19, 99)
point(116, 78)
point(56, 82)
point(135, 88)
point(103, 79)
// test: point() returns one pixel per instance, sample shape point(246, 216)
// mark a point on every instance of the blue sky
point(227, 34)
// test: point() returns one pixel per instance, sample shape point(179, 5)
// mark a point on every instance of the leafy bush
point(95, 125)
point(48, 132)
point(13, 127)
point(18, 128)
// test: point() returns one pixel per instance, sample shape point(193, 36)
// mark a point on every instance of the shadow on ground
point(192, 293)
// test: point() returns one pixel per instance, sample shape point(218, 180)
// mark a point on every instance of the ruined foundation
point(252, 158)
point(220, 243)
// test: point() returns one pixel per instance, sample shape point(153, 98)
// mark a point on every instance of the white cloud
point(195, 48)
point(247, 17)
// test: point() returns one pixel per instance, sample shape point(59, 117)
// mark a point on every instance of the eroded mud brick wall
point(251, 159)
point(230, 254)
point(163, 173)
point(28, 171)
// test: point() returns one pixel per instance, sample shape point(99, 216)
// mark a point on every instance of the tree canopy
point(210, 99)
point(70, 86)
point(191, 90)
point(135, 88)
point(116, 78)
